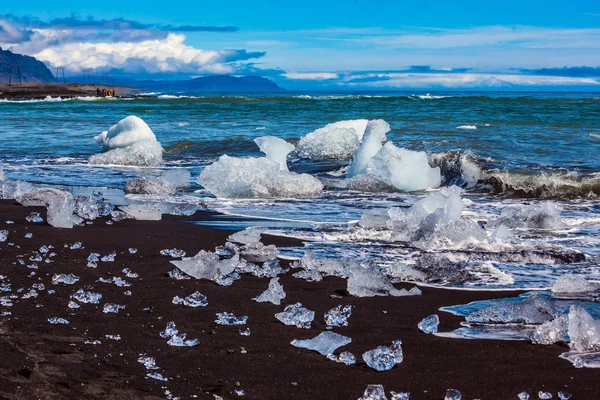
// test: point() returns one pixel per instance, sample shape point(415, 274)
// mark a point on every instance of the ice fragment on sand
point(453, 394)
point(109, 257)
point(175, 338)
point(166, 184)
point(336, 140)
point(73, 305)
point(34, 217)
point(325, 343)
point(544, 215)
point(195, 299)
point(245, 332)
point(544, 395)
point(249, 235)
point(157, 376)
point(338, 316)
point(58, 321)
point(564, 395)
point(274, 293)
point(532, 310)
point(66, 279)
point(3, 236)
point(523, 396)
point(399, 395)
point(86, 297)
point(584, 331)
point(232, 177)
point(132, 250)
point(551, 332)
point(175, 253)
point(366, 282)
point(384, 358)
point(144, 212)
point(29, 235)
point(429, 324)
point(374, 392)
point(369, 146)
point(258, 252)
point(169, 331)
point(112, 308)
point(225, 318)
point(345, 358)
point(239, 392)
point(276, 149)
point(113, 337)
point(58, 203)
point(177, 274)
point(573, 284)
point(148, 362)
point(92, 207)
point(296, 315)
point(207, 265)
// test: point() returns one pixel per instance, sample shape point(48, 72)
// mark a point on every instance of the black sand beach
point(44, 361)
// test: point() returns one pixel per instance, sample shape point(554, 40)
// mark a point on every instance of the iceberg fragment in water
point(336, 140)
point(384, 358)
point(573, 284)
point(276, 149)
point(126, 132)
point(544, 215)
point(296, 315)
point(233, 177)
point(325, 343)
point(274, 293)
point(369, 146)
point(166, 184)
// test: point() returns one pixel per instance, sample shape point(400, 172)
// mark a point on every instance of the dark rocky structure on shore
point(31, 69)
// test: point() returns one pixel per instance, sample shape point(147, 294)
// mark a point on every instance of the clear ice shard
point(34, 217)
point(249, 235)
point(544, 395)
point(3, 235)
point(112, 308)
point(58, 321)
point(148, 362)
point(86, 297)
point(157, 376)
point(207, 265)
point(370, 145)
point(524, 396)
point(325, 343)
point(429, 324)
point(144, 212)
point(551, 332)
point(296, 315)
point(195, 299)
point(66, 279)
point(338, 316)
point(573, 284)
point(276, 149)
point(399, 396)
point(256, 177)
point(374, 392)
point(584, 331)
point(92, 207)
point(366, 282)
point(175, 338)
point(543, 215)
point(384, 358)
point(564, 395)
point(59, 204)
point(258, 252)
point(274, 293)
point(225, 318)
point(534, 309)
point(453, 394)
point(344, 357)
point(175, 253)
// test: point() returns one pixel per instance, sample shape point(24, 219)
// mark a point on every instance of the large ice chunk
point(276, 149)
point(404, 169)
point(534, 309)
point(144, 212)
point(126, 132)
point(384, 358)
point(92, 207)
point(233, 177)
point(325, 343)
point(58, 203)
point(369, 146)
point(337, 140)
point(297, 315)
point(14, 189)
point(584, 331)
point(551, 332)
point(366, 282)
point(207, 265)
point(247, 236)
point(274, 293)
point(544, 215)
point(573, 284)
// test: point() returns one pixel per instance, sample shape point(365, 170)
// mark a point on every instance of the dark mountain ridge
point(31, 69)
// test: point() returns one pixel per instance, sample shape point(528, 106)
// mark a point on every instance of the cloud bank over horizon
point(496, 57)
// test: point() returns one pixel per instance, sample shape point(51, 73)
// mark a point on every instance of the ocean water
point(529, 149)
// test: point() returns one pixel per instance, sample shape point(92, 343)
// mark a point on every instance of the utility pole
point(84, 73)
point(17, 67)
point(59, 70)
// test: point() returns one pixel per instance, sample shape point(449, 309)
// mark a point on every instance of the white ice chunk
point(404, 169)
point(338, 316)
point(143, 153)
point(384, 358)
point(152, 186)
point(296, 315)
point(366, 282)
point(336, 140)
point(429, 324)
point(180, 178)
point(235, 177)
point(325, 343)
point(59, 204)
point(551, 332)
point(533, 309)
point(544, 215)
point(573, 284)
point(207, 265)
point(584, 331)
point(144, 212)
point(258, 252)
point(369, 146)
point(274, 293)
point(276, 149)
point(14, 189)
point(126, 132)
point(247, 236)
point(2, 177)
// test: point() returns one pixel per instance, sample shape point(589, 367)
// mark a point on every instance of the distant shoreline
point(64, 90)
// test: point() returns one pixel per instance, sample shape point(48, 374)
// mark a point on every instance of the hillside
point(32, 70)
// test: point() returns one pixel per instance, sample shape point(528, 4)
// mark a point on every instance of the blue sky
point(335, 44)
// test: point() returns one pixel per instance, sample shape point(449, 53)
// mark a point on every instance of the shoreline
point(53, 361)
point(39, 91)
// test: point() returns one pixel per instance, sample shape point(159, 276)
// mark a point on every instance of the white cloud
point(311, 76)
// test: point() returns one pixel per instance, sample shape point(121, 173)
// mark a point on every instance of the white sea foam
point(472, 127)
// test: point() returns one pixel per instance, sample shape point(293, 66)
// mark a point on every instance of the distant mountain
point(32, 70)
point(215, 83)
